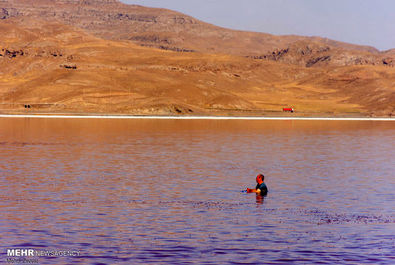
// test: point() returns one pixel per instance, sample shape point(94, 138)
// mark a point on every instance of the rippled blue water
point(169, 191)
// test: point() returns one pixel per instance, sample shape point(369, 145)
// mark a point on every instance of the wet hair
point(262, 176)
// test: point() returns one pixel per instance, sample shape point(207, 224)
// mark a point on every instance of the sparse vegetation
point(51, 64)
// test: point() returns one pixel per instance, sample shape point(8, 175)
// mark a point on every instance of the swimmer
point(261, 188)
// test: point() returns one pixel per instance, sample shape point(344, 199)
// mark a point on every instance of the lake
point(169, 191)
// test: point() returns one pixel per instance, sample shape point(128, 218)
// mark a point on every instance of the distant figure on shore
point(261, 188)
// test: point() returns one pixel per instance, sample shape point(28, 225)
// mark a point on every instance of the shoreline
point(153, 117)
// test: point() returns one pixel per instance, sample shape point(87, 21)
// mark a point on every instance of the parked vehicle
point(288, 109)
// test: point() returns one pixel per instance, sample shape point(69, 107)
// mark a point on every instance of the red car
point(288, 109)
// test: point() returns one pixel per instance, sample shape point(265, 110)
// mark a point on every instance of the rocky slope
point(174, 31)
point(310, 54)
point(72, 62)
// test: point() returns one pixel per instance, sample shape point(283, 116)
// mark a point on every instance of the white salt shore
point(190, 117)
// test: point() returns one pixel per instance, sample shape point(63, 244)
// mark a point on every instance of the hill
point(165, 29)
point(67, 59)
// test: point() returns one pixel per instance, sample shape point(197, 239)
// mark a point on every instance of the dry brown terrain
point(106, 57)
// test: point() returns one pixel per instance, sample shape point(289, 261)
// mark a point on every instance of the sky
point(365, 22)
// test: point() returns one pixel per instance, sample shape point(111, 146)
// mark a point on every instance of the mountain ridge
point(162, 28)
point(60, 67)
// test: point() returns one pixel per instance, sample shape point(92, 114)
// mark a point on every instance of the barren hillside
point(83, 56)
point(160, 28)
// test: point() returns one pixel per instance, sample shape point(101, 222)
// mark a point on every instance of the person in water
point(261, 188)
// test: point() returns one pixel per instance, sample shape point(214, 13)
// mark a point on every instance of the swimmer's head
point(260, 178)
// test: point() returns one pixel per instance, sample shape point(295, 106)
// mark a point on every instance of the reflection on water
point(168, 191)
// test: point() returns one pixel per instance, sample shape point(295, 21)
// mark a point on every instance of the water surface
point(168, 191)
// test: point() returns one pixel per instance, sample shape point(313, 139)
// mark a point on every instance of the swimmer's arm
point(253, 190)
